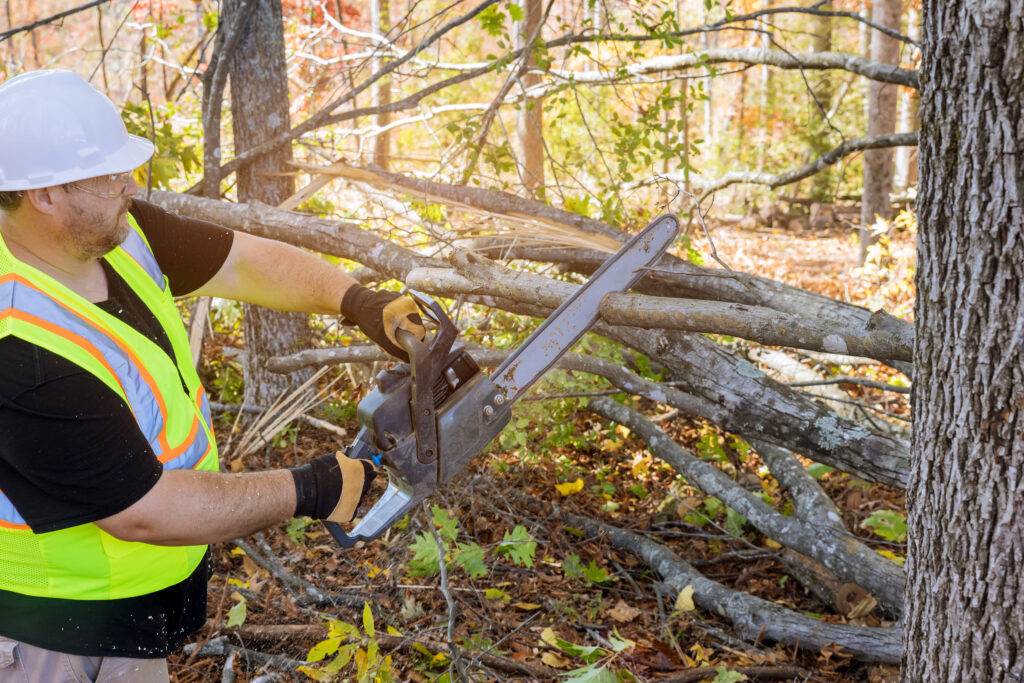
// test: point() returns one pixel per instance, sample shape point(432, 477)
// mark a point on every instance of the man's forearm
point(193, 508)
point(280, 276)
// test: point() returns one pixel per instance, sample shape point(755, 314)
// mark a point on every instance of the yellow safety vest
point(84, 562)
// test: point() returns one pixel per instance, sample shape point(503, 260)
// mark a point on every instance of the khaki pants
point(22, 663)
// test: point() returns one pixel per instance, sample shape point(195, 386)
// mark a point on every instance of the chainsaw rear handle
point(411, 465)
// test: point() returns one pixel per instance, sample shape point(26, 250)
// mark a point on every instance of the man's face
point(97, 220)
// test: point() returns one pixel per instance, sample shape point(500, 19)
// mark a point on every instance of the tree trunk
point(881, 121)
point(965, 590)
point(259, 100)
point(380, 22)
point(905, 173)
point(530, 116)
point(819, 142)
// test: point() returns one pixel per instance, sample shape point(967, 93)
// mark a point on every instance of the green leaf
point(471, 559)
point(734, 522)
point(367, 620)
point(518, 545)
point(592, 673)
point(323, 649)
point(516, 12)
point(818, 471)
point(595, 574)
point(726, 676)
point(447, 526)
point(236, 615)
point(889, 524)
point(296, 527)
point(425, 561)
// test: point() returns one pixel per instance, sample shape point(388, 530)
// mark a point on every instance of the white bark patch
point(828, 428)
point(833, 343)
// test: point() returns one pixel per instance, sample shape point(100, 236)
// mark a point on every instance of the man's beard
point(93, 234)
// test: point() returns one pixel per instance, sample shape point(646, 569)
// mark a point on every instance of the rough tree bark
point(966, 496)
point(259, 100)
point(881, 121)
point(530, 116)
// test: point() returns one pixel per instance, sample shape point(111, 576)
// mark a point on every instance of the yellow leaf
point(684, 602)
point(439, 658)
point(623, 612)
point(548, 636)
point(623, 431)
point(769, 543)
point(641, 466)
point(392, 631)
point(237, 551)
point(236, 466)
point(609, 446)
point(554, 660)
point(526, 605)
point(571, 487)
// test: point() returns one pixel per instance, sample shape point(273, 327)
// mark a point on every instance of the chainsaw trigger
point(377, 459)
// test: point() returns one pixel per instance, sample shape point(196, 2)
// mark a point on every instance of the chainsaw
point(425, 420)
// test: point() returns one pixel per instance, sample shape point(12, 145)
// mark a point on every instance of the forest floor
point(521, 613)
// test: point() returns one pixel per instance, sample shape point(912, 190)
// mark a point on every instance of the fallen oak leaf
point(623, 613)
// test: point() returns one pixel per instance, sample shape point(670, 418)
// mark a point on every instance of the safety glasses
point(106, 186)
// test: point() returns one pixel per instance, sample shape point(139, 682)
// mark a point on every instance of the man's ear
point(43, 199)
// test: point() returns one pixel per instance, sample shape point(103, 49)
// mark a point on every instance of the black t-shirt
point(72, 453)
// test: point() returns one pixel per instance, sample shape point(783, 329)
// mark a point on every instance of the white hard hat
point(55, 128)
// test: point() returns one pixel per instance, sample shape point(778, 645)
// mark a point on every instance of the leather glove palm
point(332, 487)
point(379, 314)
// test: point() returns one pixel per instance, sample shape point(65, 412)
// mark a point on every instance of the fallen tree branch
point(812, 503)
point(744, 396)
point(222, 647)
point(838, 550)
point(671, 277)
point(769, 425)
point(755, 323)
point(756, 619)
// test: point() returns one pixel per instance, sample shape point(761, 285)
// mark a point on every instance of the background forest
point(492, 155)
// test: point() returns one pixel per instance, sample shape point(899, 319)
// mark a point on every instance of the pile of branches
point(666, 318)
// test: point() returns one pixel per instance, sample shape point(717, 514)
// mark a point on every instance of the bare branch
point(51, 19)
point(831, 157)
point(751, 55)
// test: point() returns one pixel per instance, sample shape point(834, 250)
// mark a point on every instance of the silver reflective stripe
point(578, 313)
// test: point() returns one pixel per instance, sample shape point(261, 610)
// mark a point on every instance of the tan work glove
point(380, 314)
point(332, 487)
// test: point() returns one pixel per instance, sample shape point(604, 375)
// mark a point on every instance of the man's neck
point(31, 245)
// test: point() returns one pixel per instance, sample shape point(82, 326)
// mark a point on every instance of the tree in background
point(259, 103)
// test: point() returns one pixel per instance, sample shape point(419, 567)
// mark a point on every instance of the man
point(109, 482)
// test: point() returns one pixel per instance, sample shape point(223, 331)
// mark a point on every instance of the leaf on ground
point(526, 606)
point(236, 615)
point(554, 660)
point(726, 676)
point(684, 601)
point(623, 613)
point(519, 545)
point(571, 487)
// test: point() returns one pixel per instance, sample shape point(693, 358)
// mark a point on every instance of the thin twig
point(49, 20)
point(453, 647)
